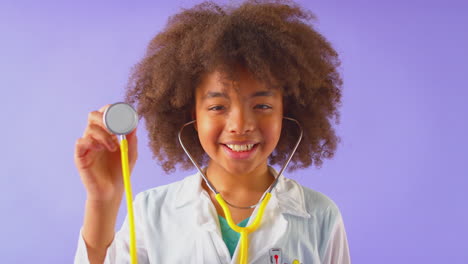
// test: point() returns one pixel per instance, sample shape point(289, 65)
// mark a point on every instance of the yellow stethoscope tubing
point(128, 198)
point(244, 231)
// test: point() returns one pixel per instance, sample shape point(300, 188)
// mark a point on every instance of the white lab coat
point(178, 223)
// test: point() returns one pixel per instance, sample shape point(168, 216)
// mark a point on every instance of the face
point(238, 123)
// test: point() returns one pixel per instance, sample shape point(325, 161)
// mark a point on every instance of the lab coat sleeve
point(119, 250)
point(337, 250)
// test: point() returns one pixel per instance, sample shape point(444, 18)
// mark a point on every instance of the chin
point(239, 168)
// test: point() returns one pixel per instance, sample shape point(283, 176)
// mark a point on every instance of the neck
point(241, 189)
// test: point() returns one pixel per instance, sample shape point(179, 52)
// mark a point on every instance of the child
point(237, 71)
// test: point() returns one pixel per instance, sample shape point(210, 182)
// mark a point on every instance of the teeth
point(239, 148)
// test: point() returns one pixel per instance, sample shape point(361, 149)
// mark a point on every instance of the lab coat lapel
point(209, 245)
point(272, 227)
point(192, 197)
point(206, 249)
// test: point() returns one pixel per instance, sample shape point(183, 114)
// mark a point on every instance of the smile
point(240, 151)
point(240, 148)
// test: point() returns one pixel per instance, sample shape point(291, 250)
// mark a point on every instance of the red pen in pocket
point(276, 256)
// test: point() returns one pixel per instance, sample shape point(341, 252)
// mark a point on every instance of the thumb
point(133, 133)
point(132, 142)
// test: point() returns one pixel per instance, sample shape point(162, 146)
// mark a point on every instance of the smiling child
point(237, 71)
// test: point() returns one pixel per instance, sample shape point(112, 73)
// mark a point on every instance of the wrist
point(105, 202)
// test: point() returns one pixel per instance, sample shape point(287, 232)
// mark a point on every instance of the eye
point(262, 107)
point(216, 108)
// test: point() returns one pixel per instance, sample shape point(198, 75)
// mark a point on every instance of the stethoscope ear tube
point(179, 136)
point(301, 132)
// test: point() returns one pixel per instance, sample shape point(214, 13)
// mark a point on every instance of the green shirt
point(230, 237)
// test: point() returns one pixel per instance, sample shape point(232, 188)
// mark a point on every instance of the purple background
point(399, 175)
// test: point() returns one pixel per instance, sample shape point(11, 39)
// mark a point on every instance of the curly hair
point(272, 40)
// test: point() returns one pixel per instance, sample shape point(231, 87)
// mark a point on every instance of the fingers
point(101, 136)
point(103, 109)
point(133, 143)
point(133, 133)
point(97, 137)
point(96, 124)
point(84, 145)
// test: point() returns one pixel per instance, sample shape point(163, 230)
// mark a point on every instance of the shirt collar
point(288, 193)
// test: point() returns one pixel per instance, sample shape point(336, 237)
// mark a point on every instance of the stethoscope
point(244, 231)
point(121, 119)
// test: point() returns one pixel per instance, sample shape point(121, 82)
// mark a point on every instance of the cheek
point(276, 131)
point(208, 133)
point(272, 131)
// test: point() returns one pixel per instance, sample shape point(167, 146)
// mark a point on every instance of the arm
point(98, 243)
point(98, 228)
point(337, 250)
point(98, 160)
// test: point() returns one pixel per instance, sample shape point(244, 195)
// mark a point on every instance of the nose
point(240, 121)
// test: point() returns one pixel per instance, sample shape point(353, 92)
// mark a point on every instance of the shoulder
point(328, 227)
point(318, 205)
point(324, 221)
point(317, 202)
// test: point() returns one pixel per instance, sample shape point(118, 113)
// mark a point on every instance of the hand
point(97, 158)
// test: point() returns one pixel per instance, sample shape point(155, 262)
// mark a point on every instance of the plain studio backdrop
point(399, 176)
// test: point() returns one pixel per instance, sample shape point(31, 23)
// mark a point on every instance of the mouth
point(240, 148)
point(240, 151)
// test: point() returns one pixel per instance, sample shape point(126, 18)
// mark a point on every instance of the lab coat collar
point(288, 193)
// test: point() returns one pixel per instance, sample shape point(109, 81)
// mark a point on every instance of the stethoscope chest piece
point(120, 118)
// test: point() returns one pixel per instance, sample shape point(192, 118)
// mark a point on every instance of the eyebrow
point(214, 95)
point(263, 93)
point(224, 95)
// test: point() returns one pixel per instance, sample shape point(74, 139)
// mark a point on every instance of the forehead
point(220, 82)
